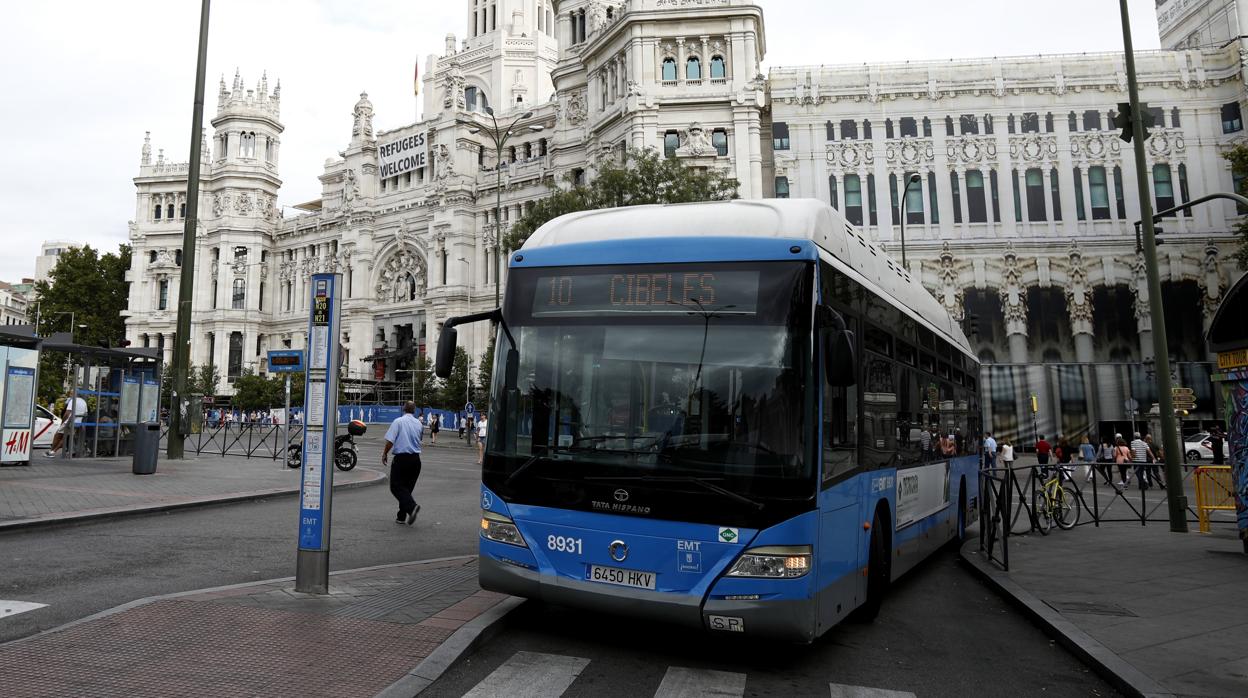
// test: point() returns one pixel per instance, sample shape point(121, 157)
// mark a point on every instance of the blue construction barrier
point(384, 414)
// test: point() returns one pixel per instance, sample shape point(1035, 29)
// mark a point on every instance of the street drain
point(1090, 608)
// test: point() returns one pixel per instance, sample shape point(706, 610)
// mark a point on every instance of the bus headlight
point(497, 527)
point(773, 562)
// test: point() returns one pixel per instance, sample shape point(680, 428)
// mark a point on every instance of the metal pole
point(905, 194)
point(286, 426)
point(498, 207)
point(1176, 499)
point(186, 285)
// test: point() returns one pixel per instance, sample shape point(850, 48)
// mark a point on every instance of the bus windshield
point(685, 377)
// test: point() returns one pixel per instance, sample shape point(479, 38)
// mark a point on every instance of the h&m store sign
point(403, 155)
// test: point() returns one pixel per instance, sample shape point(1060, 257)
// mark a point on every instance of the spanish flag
point(416, 79)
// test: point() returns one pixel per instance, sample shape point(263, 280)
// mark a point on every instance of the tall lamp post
point(913, 179)
point(1176, 499)
point(499, 134)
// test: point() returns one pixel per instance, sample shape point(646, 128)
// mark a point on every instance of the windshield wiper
point(701, 482)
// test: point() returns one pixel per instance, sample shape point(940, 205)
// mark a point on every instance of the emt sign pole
point(320, 409)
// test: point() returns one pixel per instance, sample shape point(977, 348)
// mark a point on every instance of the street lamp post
point(913, 179)
point(499, 136)
point(1176, 499)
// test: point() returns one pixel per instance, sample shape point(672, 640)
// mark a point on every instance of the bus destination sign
point(648, 291)
point(286, 361)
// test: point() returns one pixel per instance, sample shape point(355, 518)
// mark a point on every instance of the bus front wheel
point(878, 571)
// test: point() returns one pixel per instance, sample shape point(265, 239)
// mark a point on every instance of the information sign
point(321, 412)
point(286, 361)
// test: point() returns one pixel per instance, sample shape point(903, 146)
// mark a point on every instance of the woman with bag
point(1122, 456)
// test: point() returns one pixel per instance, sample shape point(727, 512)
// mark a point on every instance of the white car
point(1198, 447)
point(46, 425)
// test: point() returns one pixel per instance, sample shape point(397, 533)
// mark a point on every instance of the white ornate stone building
point(1022, 213)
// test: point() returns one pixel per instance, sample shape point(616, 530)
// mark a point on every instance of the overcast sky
point(83, 79)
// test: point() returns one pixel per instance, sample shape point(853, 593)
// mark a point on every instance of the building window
point(908, 127)
point(957, 197)
point(247, 145)
point(1034, 180)
point(914, 201)
point(866, 129)
point(1174, 117)
point(1072, 124)
point(214, 294)
point(1009, 124)
point(693, 68)
point(1048, 123)
point(780, 136)
point(782, 187)
point(234, 365)
point(968, 124)
point(830, 134)
point(931, 197)
point(719, 139)
point(853, 199)
point(849, 130)
point(927, 127)
point(1183, 193)
point(976, 210)
point(182, 211)
point(1232, 120)
point(1163, 188)
point(1080, 213)
point(470, 98)
point(888, 128)
point(162, 300)
point(1119, 196)
point(988, 124)
point(260, 298)
point(169, 211)
point(1018, 203)
point(949, 126)
point(832, 193)
point(669, 69)
point(1054, 192)
point(239, 295)
point(151, 257)
point(873, 217)
point(717, 67)
point(671, 141)
point(996, 196)
point(157, 211)
point(1159, 116)
point(177, 257)
point(892, 198)
point(1030, 122)
point(1098, 189)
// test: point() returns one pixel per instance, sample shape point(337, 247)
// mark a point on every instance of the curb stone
point(1104, 661)
point(141, 509)
point(456, 647)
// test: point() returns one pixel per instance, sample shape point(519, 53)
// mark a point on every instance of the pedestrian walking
point(403, 437)
point(1104, 457)
point(1155, 458)
point(483, 429)
point(1217, 444)
point(435, 420)
point(1043, 448)
point(1122, 456)
point(990, 450)
point(1007, 453)
point(1087, 456)
point(461, 421)
point(75, 407)
point(1140, 454)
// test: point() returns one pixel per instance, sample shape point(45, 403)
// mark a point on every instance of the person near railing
point(990, 450)
point(1087, 456)
point(1122, 456)
point(1140, 454)
point(1043, 448)
point(1155, 458)
point(1105, 457)
point(1007, 453)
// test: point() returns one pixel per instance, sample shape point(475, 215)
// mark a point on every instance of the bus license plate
point(619, 577)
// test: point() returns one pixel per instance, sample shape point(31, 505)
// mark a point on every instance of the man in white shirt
point(75, 407)
point(990, 451)
point(404, 438)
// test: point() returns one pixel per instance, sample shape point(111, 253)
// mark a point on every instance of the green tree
point(252, 392)
point(1238, 157)
point(642, 177)
point(91, 287)
point(455, 386)
point(485, 372)
point(203, 379)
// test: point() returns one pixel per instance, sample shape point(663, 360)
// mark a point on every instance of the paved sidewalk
point(1159, 613)
point(378, 626)
point(51, 490)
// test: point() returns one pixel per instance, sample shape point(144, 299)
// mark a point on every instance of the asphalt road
point(86, 568)
point(941, 632)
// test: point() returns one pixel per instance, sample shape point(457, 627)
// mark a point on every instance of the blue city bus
point(741, 416)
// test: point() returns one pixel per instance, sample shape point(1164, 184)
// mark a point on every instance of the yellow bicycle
point(1056, 502)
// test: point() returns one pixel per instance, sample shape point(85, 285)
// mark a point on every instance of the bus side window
point(840, 425)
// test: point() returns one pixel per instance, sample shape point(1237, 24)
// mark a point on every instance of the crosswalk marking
point(840, 690)
point(680, 682)
point(12, 608)
point(530, 674)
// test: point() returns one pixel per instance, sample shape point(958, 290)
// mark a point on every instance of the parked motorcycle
point(345, 453)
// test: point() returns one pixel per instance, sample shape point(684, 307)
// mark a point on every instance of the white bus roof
point(847, 247)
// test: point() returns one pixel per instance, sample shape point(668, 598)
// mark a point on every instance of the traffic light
point(1035, 405)
point(1122, 120)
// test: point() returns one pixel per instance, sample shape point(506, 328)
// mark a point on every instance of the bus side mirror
point(838, 358)
point(446, 352)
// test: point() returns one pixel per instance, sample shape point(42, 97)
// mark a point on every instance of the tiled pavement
point(257, 640)
point(1166, 611)
point(54, 490)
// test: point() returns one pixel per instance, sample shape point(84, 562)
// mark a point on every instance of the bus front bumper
point(788, 620)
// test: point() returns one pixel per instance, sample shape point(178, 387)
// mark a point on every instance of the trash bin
point(146, 446)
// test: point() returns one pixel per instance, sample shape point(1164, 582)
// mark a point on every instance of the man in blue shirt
point(403, 438)
point(990, 451)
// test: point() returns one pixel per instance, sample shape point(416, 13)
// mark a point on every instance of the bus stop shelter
point(19, 376)
point(121, 387)
point(1228, 338)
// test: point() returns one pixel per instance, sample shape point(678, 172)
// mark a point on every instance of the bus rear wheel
point(878, 572)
